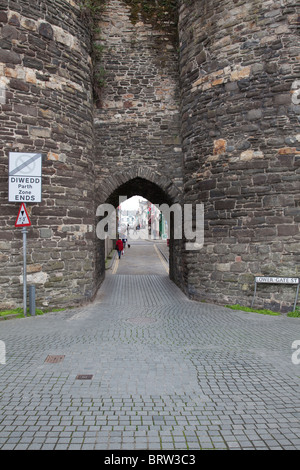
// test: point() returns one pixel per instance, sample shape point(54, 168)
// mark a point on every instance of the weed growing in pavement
point(18, 312)
point(295, 314)
point(248, 309)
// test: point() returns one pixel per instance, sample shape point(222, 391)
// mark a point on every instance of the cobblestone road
point(167, 373)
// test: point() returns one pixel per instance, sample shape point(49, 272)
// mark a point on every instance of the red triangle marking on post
point(23, 218)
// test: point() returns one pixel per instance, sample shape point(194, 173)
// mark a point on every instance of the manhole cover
point(141, 320)
point(54, 359)
point(84, 377)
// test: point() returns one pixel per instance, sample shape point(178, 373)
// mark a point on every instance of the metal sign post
point(24, 231)
point(25, 185)
point(24, 222)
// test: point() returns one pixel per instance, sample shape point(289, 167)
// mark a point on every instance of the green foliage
point(91, 11)
point(98, 49)
point(295, 314)
point(161, 10)
point(248, 309)
point(92, 8)
point(19, 312)
point(162, 14)
point(99, 77)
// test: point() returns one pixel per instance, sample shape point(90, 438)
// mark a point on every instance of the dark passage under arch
point(142, 187)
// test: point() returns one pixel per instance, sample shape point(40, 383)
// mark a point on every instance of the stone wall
point(137, 124)
point(241, 145)
point(48, 106)
point(137, 120)
point(47, 109)
point(217, 125)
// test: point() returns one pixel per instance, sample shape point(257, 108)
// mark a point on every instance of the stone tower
point(239, 65)
point(212, 118)
point(45, 70)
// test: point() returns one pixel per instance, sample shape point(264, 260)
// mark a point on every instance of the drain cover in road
point(84, 377)
point(54, 359)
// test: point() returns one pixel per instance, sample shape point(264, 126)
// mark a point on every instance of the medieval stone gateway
point(196, 103)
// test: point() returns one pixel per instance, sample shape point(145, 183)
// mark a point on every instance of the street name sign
point(277, 280)
point(295, 281)
point(25, 177)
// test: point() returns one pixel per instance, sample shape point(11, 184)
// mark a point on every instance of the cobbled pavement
point(168, 373)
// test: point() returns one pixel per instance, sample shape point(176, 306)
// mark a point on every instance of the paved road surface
point(143, 257)
point(167, 373)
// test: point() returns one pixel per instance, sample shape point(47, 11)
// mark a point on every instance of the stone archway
point(151, 185)
point(137, 180)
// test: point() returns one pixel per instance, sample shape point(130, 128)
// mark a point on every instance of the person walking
point(119, 247)
point(124, 240)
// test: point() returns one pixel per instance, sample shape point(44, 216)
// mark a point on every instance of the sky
point(132, 203)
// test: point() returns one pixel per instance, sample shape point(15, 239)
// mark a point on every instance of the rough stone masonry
point(211, 118)
point(239, 75)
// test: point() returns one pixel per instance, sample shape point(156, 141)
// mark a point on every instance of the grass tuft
point(255, 310)
point(18, 312)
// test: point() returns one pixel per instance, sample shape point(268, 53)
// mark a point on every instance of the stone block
point(45, 232)
point(282, 99)
point(36, 278)
point(46, 30)
point(219, 146)
point(288, 151)
point(240, 73)
point(250, 155)
point(14, 19)
point(3, 17)
point(223, 267)
point(226, 204)
point(19, 85)
point(238, 267)
point(9, 57)
point(287, 230)
point(207, 185)
point(34, 268)
point(40, 132)
point(56, 266)
point(29, 24)
point(254, 114)
point(31, 62)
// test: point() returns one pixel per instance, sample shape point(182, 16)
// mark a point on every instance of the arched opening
point(141, 187)
point(139, 219)
point(156, 195)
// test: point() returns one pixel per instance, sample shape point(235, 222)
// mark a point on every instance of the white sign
point(2, 93)
point(23, 218)
point(25, 177)
point(278, 280)
point(2, 353)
